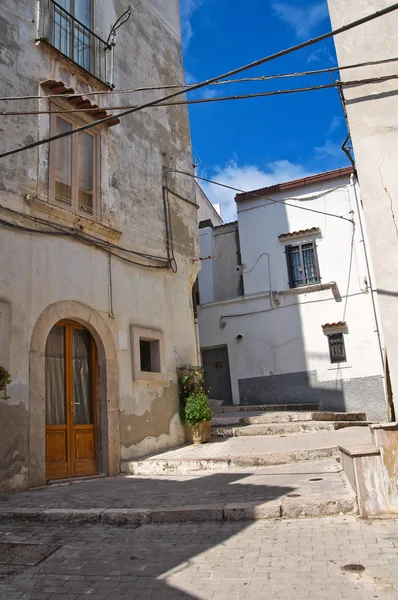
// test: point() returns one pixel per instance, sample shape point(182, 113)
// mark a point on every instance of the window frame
point(300, 243)
point(340, 360)
point(156, 338)
point(74, 206)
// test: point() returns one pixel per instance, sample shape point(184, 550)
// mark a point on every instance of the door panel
point(56, 452)
point(217, 375)
point(71, 428)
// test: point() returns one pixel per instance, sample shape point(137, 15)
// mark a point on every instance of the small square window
point(337, 348)
point(302, 264)
point(150, 356)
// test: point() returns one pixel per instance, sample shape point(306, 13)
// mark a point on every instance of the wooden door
point(71, 402)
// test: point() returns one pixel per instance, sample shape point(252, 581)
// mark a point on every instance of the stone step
point(283, 429)
point(232, 453)
point(242, 418)
point(215, 403)
point(315, 406)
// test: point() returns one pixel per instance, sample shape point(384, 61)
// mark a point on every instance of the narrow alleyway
point(275, 560)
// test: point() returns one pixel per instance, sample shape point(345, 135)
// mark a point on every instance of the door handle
point(73, 404)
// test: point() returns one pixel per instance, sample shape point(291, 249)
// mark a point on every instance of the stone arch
point(108, 387)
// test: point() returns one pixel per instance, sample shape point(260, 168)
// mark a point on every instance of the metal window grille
point(337, 348)
point(302, 264)
point(75, 39)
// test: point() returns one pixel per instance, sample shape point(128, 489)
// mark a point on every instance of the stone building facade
point(372, 118)
point(286, 314)
point(98, 239)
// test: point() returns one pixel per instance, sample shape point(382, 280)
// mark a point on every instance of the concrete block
point(188, 514)
point(126, 516)
point(72, 515)
point(21, 514)
point(250, 511)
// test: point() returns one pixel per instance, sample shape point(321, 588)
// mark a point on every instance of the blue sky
point(254, 143)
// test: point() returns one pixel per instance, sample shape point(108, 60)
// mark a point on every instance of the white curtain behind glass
point(55, 377)
point(81, 377)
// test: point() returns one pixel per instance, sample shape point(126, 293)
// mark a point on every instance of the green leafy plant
point(5, 379)
point(197, 409)
point(191, 385)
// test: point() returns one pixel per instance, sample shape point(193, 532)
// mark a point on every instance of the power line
point(188, 86)
point(230, 187)
point(337, 84)
point(96, 214)
point(197, 86)
point(86, 237)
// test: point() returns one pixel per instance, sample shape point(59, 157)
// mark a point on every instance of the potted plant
point(195, 411)
point(198, 415)
point(5, 379)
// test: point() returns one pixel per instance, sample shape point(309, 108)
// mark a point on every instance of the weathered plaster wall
point(283, 353)
point(38, 271)
point(372, 111)
point(206, 210)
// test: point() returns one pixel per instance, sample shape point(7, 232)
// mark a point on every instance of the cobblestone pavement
point(274, 560)
point(243, 485)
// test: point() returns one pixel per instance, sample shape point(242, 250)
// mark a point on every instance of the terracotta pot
point(200, 434)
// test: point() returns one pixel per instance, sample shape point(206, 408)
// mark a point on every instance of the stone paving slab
point(268, 560)
point(318, 487)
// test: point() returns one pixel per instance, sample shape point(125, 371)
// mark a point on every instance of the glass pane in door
point(83, 408)
point(55, 377)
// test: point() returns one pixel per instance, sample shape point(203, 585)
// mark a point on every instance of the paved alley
point(299, 559)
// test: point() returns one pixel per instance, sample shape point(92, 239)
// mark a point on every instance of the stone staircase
point(279, 420)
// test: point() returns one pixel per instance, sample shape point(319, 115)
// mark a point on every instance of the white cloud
point(209, 93)
point(301, 20)
point(322, 55)
point(335, 124)
point(247, 178)
point(329, 150)
point(189, 78)
point(188, 7)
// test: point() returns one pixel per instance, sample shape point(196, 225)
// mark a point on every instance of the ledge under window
point(63, 216)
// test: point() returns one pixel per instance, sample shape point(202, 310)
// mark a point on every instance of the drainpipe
point(198, 352)
point(352, 182)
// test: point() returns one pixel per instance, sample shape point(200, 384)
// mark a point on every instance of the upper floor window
point(72, 21)
point(68, 25)
point(74, 169)
point(302, 263)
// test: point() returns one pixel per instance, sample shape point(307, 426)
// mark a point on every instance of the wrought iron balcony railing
point(74, 39)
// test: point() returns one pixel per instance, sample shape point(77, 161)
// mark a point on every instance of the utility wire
point(261, 61)
point(230, 187)
point(336, 84)
point(188, 86)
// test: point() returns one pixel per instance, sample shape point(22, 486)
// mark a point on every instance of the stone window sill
point(63, 216)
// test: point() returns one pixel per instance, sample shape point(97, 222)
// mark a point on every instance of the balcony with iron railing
point(75, 39)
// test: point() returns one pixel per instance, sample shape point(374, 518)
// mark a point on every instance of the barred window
point(302, 263)
point(337, 348)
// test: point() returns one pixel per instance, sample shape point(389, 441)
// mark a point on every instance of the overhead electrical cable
point(337, 84)
point(261, 61)
point(188, 86)
point(262, 197)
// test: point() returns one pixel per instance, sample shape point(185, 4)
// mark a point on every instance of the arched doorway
point(71, 402)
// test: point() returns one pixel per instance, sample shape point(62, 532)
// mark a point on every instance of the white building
point(286, 313)
point(98, 240)
point(372, 113)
